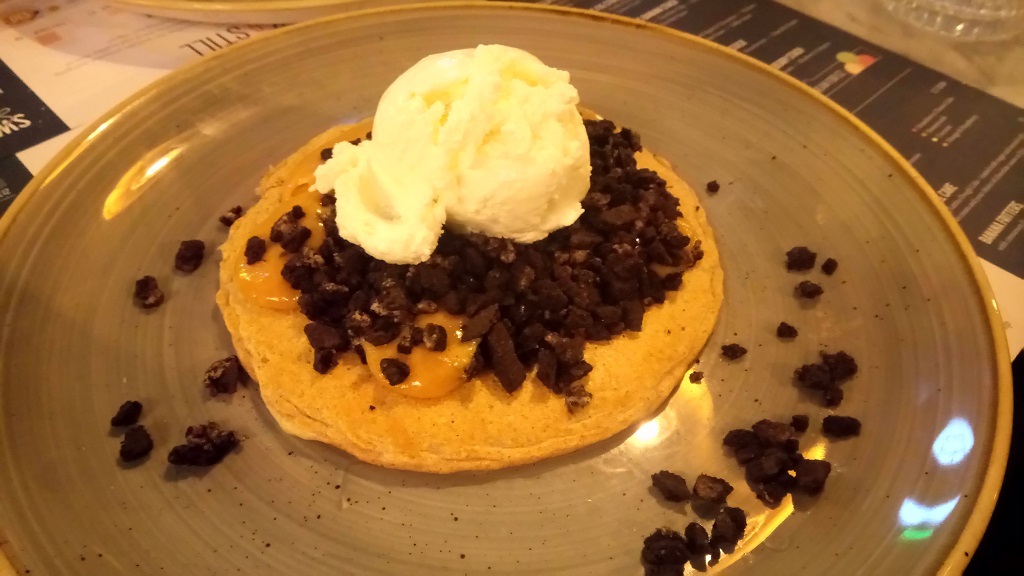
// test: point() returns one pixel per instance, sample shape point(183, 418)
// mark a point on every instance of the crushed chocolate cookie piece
point(255, 250)
point(713, 186)
point(395, 371)
point(827, 375)
point(729, 526)
point(841, 365)
point(295, 240)
point(224, 376)
point(435, 337)
point(785, 331)
point(809, 290)
point(772, 433)
point(768, 466)
point(829, 266)
point(664, 552)
point(811, 475)
point(287, 224)
point(832, 396)
point(547, 369)
point(137, 443)
point(696, 377)
point(321, 336)
point(711, 489)
point(814, 376)
point(205, 445)
point(800, 258)
point(502, 356)
point(733, 351)
point(383, 331)
point(231, 216)
point(324, 360)
point(697, 540)
point(671, 486)
point(480, 323)
point(360, 353)
point(326, 154)
point(577, 397)
point(740, 438)
point(800, 423)
point(772, 493)
point(328, 199)
point(568, 350)
point(127, 414)
point(147, 292)
point(189, 256)
point(409, 340)
point(633, 315)
point(672, 281)
point(840, 426)
point(426, 307)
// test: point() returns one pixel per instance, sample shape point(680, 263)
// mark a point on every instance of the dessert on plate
point(480, 276)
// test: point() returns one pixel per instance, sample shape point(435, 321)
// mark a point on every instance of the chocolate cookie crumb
point(136, 444)
point(809, 290)
point(287, 228)
point(832, 396)
point(205, 445)
point(696, 377)
point(127, 414)
point(233, 214)
point(664, 552)
point(480, 323)
point(800, 423)
point(713, 186)
point(811, 475)
point(324, 359)
point(671, 486)
point(800, 258)
point(189, 256)
point(224, 376)
point(711, 489)
point(322, 336)
point(697, 541)
point(729, 526)
point(841, 365)
point(502, 355)
point(577, 397)
point(326, 154)
point(147, 292)
point(435, 337)
point(814, 376)
point(255, 250)
point(840, 426)
point(733, 351)
point(785, 331)
point(829, 266)
point(772, 433)
point(395, 371)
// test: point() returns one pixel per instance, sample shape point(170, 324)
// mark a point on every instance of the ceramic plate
point(910, 496)
point(253, 11)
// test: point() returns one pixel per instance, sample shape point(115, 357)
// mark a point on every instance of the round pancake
point(479, 426)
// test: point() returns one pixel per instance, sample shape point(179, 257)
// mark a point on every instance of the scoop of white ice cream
point(488, 140)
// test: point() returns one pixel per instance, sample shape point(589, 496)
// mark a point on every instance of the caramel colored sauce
point(431, 374)
point(262, 282)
